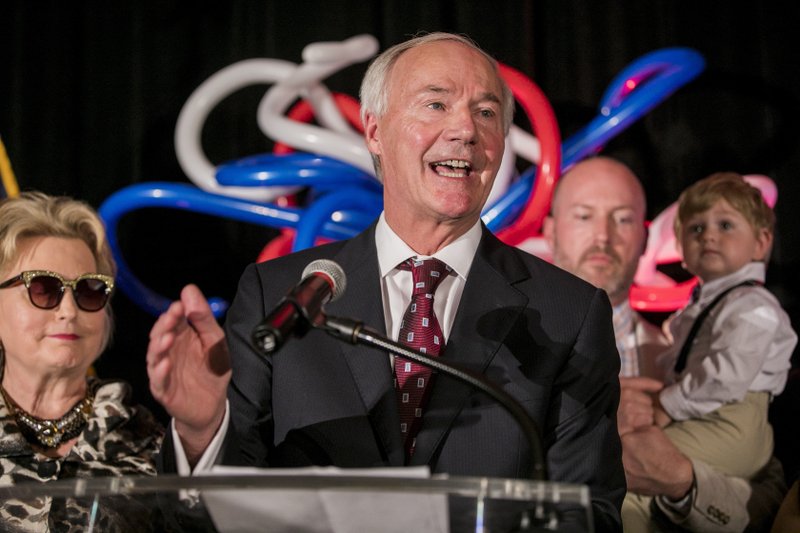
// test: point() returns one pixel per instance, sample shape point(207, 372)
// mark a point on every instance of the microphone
point(322, 281)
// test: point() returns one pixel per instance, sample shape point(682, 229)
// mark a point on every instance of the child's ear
point(679, 249)
point(763, 244)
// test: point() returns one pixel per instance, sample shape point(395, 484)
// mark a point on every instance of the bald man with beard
point(596, 231)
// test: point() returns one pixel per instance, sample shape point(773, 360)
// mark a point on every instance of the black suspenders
point(680, 364)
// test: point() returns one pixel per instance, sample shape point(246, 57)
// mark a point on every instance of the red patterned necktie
point(419, 330)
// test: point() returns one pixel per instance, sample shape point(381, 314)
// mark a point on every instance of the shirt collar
point(623, 308)
point(755, 270)
point(458, 255)
point(622, 315)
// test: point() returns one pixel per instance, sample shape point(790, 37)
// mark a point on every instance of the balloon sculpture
point(331, 163)
point(8, 182)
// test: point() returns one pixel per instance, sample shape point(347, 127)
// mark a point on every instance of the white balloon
point(188, 140)
point(519, 143)
point(506, 174)
point(525, 145)
point(321, 60)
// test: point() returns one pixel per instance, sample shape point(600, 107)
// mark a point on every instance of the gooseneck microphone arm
point(354, 332)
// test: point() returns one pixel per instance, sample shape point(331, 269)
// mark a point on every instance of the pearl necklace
point(51, 432)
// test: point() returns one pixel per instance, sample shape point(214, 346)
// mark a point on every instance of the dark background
point(90, 93)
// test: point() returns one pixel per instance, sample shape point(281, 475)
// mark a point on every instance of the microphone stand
point(354, 332)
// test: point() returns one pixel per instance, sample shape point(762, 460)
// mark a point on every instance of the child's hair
point(731, 187)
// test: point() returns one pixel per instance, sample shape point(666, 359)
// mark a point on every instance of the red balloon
point(545, 126)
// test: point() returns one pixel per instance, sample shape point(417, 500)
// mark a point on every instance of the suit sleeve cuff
point(679, 509)
point(718, 502)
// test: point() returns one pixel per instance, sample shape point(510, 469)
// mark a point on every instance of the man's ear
point(548, 229)
point(646, 237)
point(371, 133)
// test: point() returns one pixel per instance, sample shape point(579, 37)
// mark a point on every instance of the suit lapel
point(489, 307)
point(370, 368)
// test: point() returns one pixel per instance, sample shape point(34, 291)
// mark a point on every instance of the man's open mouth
point(452, 168)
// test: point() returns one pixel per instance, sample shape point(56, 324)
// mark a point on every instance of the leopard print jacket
point(119, 439)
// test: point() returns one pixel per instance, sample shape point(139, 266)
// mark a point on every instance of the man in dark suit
point(436, 113)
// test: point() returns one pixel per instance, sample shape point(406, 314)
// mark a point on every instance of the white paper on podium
point(325, 510)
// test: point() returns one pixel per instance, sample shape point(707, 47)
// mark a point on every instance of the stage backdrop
point(90, 93)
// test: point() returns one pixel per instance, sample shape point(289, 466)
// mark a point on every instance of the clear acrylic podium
point(297, 502)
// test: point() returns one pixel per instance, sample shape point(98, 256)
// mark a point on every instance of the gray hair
point(373, 92)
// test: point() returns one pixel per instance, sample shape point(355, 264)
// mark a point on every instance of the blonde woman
point(56, 279)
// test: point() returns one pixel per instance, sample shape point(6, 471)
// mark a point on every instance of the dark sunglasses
point(45, 289)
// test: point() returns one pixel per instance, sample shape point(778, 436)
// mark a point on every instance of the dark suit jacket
point(541, 334)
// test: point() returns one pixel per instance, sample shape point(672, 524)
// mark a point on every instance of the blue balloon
point(295, 169)
point(318, 213)
point(189, 198)
point(656, 76)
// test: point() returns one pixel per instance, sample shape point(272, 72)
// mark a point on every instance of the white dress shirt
point(745, 344)
point(624, 319)
point(396, 284)
point(396, 288)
